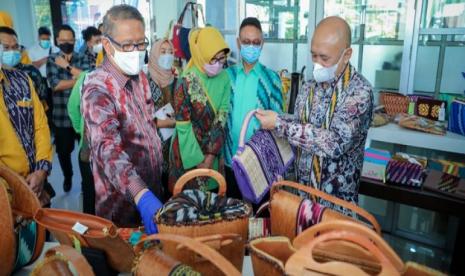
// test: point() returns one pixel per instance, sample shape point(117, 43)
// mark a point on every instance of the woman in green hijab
point(201, 105)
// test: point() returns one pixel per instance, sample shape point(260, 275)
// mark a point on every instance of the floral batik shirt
point(125, 148)
point(329, 128)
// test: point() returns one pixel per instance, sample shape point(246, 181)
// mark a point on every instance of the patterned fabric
point(192, 105)
point(39, 83)
point(60, 98)
point(191, 206)
point(27, 238)
point(91, 57)
point(269, 97)
point(125, 147)
point(309, 214)
point(17, 96)
point(184, 270)
point(339, 148)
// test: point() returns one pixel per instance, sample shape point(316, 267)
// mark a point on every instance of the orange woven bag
point(394, 103)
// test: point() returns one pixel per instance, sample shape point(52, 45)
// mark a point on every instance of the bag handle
point(203, 250)
point(215, 241)
point(182, 181)
point(244, 128)
point(304, 260)
point(315, 192)
point(183, 13)
point(311, 233)
point(77, 260)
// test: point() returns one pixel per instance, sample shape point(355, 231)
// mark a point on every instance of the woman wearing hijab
point(201, 104)
point(7, 21)
point(162, 83)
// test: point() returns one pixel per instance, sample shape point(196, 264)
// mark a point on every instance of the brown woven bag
point(284, 207)
point(269, 255)
point(394, 103)
point(233, 251)
point(152, 261)
point(101, 234)
point(21, 209)
point(57, 262)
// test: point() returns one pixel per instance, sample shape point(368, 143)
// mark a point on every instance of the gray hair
point(119, 12)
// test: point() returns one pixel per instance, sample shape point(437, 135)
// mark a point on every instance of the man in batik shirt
point(118, 115)
point(332, 116)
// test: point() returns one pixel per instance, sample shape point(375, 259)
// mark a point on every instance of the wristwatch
point(69, 68)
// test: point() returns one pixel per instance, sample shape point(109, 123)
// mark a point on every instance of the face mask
point(66, 48)
point(325, 74)
point(11, 58)
point(44, 43)
point(130, 63)
point(213, 69)
point(250, 53)
point(97, 48)
point(1, 55)
point(165, 61)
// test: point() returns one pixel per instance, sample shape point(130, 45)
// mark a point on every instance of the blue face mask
point(11, 58)
point(250, 53)
point(44, 43)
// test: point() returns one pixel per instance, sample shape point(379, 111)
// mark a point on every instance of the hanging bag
point(181, 33)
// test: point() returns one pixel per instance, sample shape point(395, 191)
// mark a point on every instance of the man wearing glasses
point(63, 68)
point(253, 86)
point(118, 114)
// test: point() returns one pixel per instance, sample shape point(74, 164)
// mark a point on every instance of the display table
point(247, 269)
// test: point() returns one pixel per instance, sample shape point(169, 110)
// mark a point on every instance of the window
point(41, 9)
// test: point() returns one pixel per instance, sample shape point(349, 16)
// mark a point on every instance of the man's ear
point(347, 55)
point(107, 46)
point(238, 42)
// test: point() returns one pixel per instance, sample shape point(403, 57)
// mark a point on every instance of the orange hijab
point(159, 75)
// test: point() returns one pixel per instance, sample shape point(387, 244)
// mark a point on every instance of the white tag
point(80, 228)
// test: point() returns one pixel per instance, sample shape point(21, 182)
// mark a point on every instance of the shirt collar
point(120, 78)
point(253, 70)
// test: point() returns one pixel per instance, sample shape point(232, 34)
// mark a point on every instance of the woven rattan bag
point(238, 224)
point(63, 260)
point(394, 103)
point(269, 255)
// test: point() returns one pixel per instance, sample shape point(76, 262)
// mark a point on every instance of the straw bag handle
point(304, 260)
point(325, 196)
point(215, 241)
point(203, 250)
point(77, 260)
point(200, 172)
point(244, 128)
point(312, 233)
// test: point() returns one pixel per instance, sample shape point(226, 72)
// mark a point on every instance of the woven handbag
point(260, 162)
point(101, 234)
point(22, 240)
point(63, 260)
point(152, 261)
point(394, 103)
point(269, 255)
point(343, 248)
point(287, 209)
point(207, 222)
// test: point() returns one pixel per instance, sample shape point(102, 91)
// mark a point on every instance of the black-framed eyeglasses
point(218, 59)
point(129, 47)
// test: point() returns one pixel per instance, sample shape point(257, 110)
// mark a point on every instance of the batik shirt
point(126, 153)
point(339, 147)
point(39, 82)
point(60, 98)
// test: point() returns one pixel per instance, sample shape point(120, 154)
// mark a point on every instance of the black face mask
point(66, 47)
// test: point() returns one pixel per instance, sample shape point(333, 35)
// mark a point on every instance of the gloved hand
point(148, 205)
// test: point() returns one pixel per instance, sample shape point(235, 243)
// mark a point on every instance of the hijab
point(159, 75)
point(5, 19)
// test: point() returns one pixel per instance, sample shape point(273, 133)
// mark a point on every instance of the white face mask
point(325, 74)
point(165, 61)
point(130, 63)
point(97, 48)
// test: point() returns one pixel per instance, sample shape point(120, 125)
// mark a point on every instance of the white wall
point(23, 19)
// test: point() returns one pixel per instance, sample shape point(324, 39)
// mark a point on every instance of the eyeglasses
point(218, 59)
point(129, 47)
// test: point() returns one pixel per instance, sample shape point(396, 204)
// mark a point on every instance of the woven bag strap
point(77, 260)
point(244, 128)
point(303, 259)
point(203, 250)
point(315, 192)
point(198, 173)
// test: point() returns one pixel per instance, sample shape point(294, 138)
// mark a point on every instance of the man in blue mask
point(12, 58)
point(253, 86)
point(332, 116)
point(39, 52)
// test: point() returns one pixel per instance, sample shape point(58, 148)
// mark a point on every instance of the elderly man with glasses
point(118, 116)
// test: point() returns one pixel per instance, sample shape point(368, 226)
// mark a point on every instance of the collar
point(2, 76)
point(254, 69)
point(120, 78)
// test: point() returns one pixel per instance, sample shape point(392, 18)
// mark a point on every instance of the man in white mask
point(118, 116)
point(332, 116)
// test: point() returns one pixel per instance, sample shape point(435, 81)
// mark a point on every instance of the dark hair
point(120, 12)
point(8, 30)
point(64, 28)
point(44, 31)
point(251, 21)
point(89, 32)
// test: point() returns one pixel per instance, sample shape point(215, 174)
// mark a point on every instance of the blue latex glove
point(148, 205)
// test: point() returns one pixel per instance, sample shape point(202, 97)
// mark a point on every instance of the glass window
point(426, 68)
point(42, 13)
point(444, 14)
